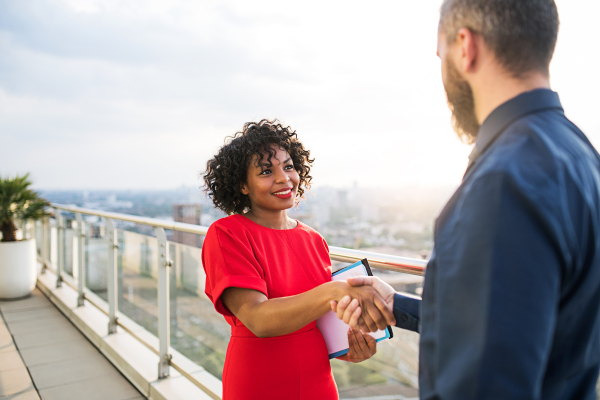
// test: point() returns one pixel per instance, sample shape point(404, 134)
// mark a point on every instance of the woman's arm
point(280, 316)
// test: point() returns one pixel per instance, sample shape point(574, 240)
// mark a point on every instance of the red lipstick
point(284, 193)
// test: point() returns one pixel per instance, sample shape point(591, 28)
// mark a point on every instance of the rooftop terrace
point(121, 315)
point(42, 355)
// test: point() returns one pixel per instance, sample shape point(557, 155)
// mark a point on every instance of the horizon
point(417, 186)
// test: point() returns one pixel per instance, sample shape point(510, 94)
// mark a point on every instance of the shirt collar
point(505, 114)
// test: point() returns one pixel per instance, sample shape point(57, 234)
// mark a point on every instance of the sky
point(130, 94)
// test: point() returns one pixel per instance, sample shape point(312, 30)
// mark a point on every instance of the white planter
point(18, 272)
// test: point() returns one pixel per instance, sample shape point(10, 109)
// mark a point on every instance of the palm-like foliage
point(17, 201)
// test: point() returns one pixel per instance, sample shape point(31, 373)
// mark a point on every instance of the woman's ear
point(244, 189)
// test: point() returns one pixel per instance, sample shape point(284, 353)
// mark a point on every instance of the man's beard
point(461, 103)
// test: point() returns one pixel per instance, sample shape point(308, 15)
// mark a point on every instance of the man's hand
point(376, 314)
point(350, 311)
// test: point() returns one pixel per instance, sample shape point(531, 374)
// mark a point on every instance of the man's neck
point(493, 90)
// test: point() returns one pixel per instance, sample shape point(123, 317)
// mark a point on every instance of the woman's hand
point(362, 347)
point(375, 313)
point(280, 316)
point(349, 309)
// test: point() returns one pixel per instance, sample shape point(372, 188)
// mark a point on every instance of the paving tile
point(62, 362)
point(3, 328)
point(36, 314)
point(7, 347)
point(99, 388)
point(5, 336)
point(26, 395)
point(58, 352)
point(34, 325)
point(5, 340)
point(4, 332)
point(42, 338)
point(11, 360)
point(55, 374)
point(14, 381)
point(177, 388)
point(36, 300)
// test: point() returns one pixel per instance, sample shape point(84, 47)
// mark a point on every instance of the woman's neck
point(271, 219)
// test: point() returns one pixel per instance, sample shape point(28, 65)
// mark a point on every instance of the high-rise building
point(189, 214)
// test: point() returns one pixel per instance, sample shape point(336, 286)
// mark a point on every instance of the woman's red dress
point(240, 253)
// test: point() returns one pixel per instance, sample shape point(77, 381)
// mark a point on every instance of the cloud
point(139, 94)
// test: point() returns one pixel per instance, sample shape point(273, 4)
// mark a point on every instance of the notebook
point(334, 330)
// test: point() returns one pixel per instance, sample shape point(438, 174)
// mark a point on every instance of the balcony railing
point(153, 278)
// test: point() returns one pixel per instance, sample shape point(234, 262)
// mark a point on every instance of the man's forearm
point(407, 311)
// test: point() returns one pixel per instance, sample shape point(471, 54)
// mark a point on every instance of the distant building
point(188, 214)
point(342, 199)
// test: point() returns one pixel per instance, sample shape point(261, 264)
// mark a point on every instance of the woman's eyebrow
point(269, 165)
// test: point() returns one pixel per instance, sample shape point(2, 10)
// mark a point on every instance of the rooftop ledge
point(135, 351)
point(132, 349)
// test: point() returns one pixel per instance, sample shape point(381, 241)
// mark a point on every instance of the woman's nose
point(282, 176)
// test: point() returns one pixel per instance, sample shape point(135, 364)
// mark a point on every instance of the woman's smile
point(284, 193)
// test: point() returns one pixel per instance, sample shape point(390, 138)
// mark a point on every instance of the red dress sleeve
point(229, 261)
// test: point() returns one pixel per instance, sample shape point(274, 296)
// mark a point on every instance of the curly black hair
point(227, 170)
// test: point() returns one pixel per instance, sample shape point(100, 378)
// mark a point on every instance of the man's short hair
point(521, 33)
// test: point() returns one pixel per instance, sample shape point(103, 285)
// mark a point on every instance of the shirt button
point(404, 317)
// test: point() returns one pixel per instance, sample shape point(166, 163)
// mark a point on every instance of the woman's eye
point(266, 172)
point(289, 166)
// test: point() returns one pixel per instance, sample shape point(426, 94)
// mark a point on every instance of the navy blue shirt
point(511, 299)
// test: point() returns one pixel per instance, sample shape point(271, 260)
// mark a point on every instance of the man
point(511, 299)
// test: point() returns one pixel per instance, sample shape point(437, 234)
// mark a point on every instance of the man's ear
point(467, 51)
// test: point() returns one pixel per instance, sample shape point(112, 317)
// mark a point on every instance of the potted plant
point(18, 272)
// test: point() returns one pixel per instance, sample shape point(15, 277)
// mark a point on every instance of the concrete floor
point(43, 356)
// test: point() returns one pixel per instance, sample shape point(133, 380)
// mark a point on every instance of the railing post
point(111, 236)
point(60, 248)
point(81, 259)
point(164, 320)
point(178, 266)
point(45, 244)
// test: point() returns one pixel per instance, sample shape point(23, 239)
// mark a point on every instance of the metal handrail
point(154, 222)
point(388, 262)
point(377, 260)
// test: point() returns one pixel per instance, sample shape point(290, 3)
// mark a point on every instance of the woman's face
point(272, 185)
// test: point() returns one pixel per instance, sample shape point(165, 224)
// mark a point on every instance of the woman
point(270, 275)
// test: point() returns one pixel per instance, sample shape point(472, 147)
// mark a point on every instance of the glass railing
point(154, 280)
point(197, 330)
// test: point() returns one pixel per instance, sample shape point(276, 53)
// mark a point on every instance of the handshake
point(368, 304)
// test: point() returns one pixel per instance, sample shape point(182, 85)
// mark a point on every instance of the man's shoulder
point(541, 162)
point(538, 148)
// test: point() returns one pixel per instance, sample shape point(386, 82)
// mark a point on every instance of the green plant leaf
point(18, 201)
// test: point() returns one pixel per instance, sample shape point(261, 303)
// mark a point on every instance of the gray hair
point(521, 33)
